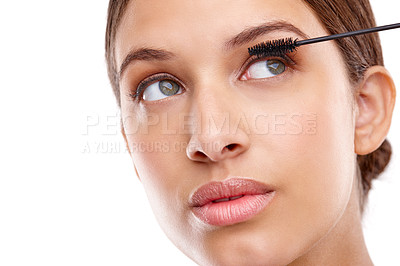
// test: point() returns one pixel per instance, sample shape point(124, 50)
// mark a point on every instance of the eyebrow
point(143, 54)
point(246, 36)
point(252, 33)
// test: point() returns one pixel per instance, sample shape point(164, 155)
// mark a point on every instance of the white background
point(60, 205)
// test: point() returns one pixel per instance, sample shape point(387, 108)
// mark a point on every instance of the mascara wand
point(283, 46)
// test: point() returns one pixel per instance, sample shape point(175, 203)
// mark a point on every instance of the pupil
point(168, 87)
point(276, 67)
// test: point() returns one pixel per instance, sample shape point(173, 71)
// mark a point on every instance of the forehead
point(181, 23)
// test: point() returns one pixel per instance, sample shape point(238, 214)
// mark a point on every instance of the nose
point(217, 135)
point(216, 148)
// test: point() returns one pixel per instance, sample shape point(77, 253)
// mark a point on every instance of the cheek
point(311, 161)
point(159, 155)
point(156, 152)
point(318, 165)
point(324, 160)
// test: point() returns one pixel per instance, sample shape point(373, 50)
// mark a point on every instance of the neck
point(344, 244)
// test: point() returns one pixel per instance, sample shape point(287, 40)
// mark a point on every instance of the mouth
point(229, 202)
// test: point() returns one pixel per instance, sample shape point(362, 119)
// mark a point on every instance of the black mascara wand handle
point(348, 34)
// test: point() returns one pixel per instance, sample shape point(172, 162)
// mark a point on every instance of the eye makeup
point(270, 66)
point(274, 64)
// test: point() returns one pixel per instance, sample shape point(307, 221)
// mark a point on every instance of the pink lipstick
point(231, 201)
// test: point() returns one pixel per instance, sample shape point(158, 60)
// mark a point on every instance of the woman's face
point(210, 112)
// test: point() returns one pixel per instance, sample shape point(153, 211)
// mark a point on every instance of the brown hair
point(359, 53)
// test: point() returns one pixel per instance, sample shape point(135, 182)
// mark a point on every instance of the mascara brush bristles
point(274, 47)
point(288, 45)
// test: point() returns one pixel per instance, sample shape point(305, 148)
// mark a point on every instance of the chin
point(246, 252)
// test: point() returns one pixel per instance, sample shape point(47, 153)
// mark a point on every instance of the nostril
point(231, 146)
point(205, 152)
point(200, 155)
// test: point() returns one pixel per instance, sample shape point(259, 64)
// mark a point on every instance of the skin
point(314, 218)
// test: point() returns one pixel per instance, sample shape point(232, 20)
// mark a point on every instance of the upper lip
point(231, 187)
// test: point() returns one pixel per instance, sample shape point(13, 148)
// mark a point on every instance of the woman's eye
point(264, 69)
point(161, 89)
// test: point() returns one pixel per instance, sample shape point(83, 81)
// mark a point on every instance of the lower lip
point(233, 211)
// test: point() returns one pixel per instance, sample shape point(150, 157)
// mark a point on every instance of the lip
point(231, 201)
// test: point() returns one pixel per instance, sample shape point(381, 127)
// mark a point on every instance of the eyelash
point(137, 95)
point(289, 62)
